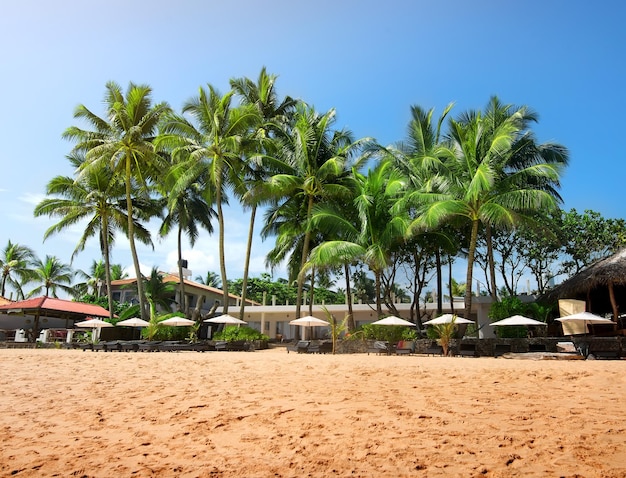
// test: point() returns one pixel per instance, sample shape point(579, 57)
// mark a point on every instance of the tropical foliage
point(466, 186)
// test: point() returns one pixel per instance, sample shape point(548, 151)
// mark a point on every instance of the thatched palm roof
point(611, 270)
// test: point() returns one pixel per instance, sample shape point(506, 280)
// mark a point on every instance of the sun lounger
point(405, 347)
point(149, 346)
point(537, 348)
point(301, 347)
point(107, 346)
point(379, 348)
point(434, 349)
point(467, 350)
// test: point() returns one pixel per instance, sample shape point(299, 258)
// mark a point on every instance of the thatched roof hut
point(602, 286)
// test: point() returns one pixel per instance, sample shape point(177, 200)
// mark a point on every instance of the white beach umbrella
point(577, 323)
point(177, 322)
point(309, 321)
point(393, 320)
point(225, 319)
point(133, 322)
point(447, 318)
point(517, 320)
point(95, 324)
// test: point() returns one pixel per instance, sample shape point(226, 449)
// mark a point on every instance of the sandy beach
point(269, 413)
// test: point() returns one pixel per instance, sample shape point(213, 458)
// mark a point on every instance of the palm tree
point(313, 162)
point(96, 196)
point(376, 233)
point(189, 209)
point(213, 146)
point(482, 181)
point(51, 274)
point(262, 95)
point(117, 272)
point(15, 267)
point(158, 293)
point(124, 140)
point(211, 279)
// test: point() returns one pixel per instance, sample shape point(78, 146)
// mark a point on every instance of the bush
point(388, 333)
point(510, 306)
point(235, 334)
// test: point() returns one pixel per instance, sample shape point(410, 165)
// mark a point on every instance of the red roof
point(58, 305)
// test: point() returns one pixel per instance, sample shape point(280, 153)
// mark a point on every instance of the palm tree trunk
point(450, 284)
point(312, 295)
point(439, 283)
point(379, 305)
point(305, 254)
point(107, 263)
point(131, 240)
point(220, 221)
point(470, 266)
point(246, 267)
point(351, 322)
point(492, 264)
point(183, 306)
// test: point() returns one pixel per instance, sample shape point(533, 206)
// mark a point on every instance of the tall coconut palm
point(15, 267)
point(211, 279)
point(187, 209)
point(124, 140)
point(482, 181)
point(313, 160)
point(212, 145)
point(419, 157)
point(263, 96)
point(377, 231)
point(95, 196)
point(50, 275)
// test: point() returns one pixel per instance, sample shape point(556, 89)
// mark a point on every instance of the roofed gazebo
point(44, 306)
point(602, 286)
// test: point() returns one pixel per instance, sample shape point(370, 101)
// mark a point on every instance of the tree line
point(467, 186)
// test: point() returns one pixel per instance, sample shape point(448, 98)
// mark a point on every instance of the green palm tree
point(482, 181)
point(187, 209)
point(313, 160)
point(213, 146)
point(159, 293)
point(96, 196)
point(419, 157)
point(377, 231)
point(51, 275)
point(263, 96)
point(211, 279)
point(117, 272)
point(124, 140)
point(15, 266)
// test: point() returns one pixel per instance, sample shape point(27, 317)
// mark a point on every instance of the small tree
point(336, 328)
point(445, 332)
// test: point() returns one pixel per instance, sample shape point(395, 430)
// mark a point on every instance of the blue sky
point(370, 60)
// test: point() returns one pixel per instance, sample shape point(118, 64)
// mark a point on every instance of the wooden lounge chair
point(467, 350)
point(379, 348)
point(301, 347)
point(434, 349)
point(405, 347)
point(149, 346)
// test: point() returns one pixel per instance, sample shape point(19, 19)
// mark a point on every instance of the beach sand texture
point(273, 414)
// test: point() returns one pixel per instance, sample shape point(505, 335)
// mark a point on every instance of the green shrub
point(234, 334)
point(510, 306)
point(388, 333)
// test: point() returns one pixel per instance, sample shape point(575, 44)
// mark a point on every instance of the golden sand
point(273, 414)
